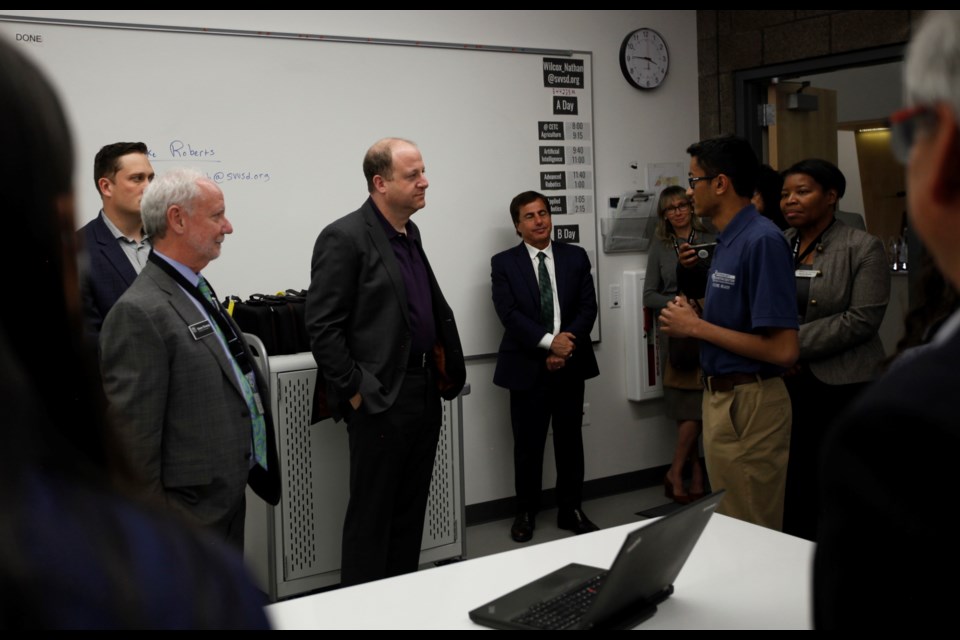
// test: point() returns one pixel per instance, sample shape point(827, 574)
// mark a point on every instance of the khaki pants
point(746, 439)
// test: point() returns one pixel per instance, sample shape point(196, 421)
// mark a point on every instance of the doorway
point(850, 94)
point(841, 117)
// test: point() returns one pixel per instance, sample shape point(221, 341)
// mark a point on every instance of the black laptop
point(582, 597)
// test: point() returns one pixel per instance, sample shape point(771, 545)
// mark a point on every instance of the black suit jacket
point(107, 275)
point(516, 297)
point(358, 320)
point(887, 547)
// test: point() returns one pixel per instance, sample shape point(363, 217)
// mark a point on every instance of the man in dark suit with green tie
point(544, 295)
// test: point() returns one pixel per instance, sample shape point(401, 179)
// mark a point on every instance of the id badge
point(200, 330)
point(252, 381)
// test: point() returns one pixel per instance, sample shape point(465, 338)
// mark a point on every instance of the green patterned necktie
point(246, 383)
point(546, 293)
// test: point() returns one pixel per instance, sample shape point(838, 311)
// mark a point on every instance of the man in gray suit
point(387, 347)
point(193, 409)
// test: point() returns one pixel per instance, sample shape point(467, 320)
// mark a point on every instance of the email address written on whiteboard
point(180, 151)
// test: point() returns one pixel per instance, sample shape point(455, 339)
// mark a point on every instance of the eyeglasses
point(904, 125)
point(694, 181)
point(683, 207)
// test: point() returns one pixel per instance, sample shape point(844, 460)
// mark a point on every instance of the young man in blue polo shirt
point(748, 331)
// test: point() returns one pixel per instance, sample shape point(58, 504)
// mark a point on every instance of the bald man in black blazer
point(387, 349)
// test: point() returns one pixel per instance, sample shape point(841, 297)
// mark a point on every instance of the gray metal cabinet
point(294, 548)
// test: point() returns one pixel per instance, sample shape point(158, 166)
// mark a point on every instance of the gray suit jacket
point(358, 321)
point(181, 412)
point(839, 337)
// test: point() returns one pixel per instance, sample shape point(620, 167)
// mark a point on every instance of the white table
point(739, 576)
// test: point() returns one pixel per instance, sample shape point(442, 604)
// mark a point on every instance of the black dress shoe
point(523, 525)
point(576, 521)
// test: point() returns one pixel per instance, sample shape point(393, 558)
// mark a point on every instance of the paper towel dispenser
point(630, 223)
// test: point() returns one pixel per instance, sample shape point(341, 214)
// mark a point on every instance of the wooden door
point(796, 133)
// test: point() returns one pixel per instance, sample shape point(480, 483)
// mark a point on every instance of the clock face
point(644, 59)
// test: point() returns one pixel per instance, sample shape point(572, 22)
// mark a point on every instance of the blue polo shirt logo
point(722, 280)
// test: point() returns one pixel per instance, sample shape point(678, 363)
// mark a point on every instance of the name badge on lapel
point(201, 330)
point(807, 273)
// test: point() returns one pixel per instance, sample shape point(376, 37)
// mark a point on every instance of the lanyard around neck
point(215, 312)
point(693, 236)
point(798, 259)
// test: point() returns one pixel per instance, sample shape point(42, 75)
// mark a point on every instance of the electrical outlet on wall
point(586, 414)
point(615, 296)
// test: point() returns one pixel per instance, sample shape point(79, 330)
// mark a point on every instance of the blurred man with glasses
point(887, 530)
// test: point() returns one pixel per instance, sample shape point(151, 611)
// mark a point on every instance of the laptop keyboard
point(565, 610)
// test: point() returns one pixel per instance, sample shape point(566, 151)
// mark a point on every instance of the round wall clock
point(644, 59)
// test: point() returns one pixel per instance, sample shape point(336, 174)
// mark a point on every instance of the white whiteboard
point(282, 122)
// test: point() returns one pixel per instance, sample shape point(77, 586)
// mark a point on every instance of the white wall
point(849, 164)
point(878, 90)
point(630, 126)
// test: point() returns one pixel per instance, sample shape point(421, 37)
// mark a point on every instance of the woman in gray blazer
point(843, 285)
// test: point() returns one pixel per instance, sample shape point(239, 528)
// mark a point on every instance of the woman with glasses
point(843, 285)
point(680, 368)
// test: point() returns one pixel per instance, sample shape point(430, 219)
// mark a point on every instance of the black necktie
point(546, 293)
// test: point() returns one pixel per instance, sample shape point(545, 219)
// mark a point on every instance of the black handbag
point(278, 320)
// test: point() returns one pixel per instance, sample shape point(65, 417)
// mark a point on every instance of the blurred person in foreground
point(75, 551)
point(887, 537)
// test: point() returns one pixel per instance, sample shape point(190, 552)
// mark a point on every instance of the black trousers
point(391, 466)
point(558, 398)
point(815, 406)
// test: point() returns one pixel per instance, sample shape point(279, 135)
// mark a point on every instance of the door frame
point(750, 90)
point(750, 85)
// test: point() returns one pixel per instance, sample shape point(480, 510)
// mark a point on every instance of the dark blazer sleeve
point(448, 351)
point(881, 533)
point(578, 305)
point(356, 313)
point(331, 298)
point(578, 297)
point(106, 273)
